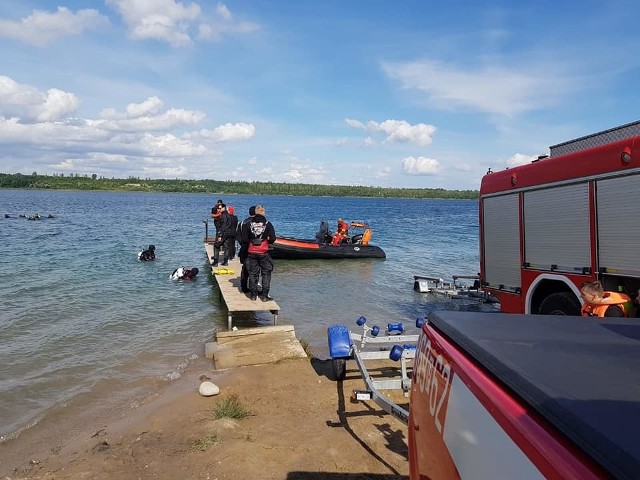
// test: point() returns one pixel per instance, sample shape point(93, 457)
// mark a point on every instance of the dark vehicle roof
point(580, 373)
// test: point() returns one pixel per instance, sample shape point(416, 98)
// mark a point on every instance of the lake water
point(82, 320)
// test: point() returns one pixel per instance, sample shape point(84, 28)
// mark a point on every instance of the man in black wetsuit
point(223, 237)
point(259, 234)
point(243, 252)
point(232, 233)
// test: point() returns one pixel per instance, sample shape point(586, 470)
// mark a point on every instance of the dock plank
point(235, 300)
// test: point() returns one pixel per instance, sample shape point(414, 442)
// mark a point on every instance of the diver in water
point(183, 273)
point(147, 255)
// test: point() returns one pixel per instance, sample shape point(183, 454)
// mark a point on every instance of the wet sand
point(302, 426)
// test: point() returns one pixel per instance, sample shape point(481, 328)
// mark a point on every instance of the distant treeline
point(93, 182)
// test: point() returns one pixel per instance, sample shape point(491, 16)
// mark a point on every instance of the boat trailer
point(456, 289)
point(345, 345)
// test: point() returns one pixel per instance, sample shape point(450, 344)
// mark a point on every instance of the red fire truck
point(513, 396)
point(563, 219)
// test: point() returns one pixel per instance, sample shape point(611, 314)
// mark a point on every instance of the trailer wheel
point(339, 368)
point(561, 303)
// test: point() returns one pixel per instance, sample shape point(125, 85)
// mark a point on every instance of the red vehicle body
point(499, 396)
point(574, 216)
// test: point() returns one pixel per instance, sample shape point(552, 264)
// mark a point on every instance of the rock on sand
point(208, 389)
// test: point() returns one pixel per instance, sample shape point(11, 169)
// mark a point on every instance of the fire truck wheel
point(339, 368)
point(561, 303)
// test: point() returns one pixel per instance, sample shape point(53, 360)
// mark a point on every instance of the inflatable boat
point(354, 246)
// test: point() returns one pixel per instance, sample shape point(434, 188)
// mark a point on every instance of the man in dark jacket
point(243, 252)
point(259, 234)
point(215, 214)
point(233, 229)
point(222, 237)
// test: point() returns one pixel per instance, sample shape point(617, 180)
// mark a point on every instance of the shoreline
point(302, 426)
point(64, 428)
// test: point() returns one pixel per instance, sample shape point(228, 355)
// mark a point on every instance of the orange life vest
point(366, 236)
point(621, 300)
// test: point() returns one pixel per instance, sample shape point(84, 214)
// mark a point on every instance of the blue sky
point(386, 93)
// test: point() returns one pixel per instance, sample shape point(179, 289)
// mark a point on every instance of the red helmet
point(230, 209)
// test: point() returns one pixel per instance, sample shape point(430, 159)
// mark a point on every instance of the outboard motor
point(323, 234)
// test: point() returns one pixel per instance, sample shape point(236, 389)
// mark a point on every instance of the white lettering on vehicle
point(431, 372)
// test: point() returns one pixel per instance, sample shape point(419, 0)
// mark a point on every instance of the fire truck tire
point(339, 368)
point(561, 303)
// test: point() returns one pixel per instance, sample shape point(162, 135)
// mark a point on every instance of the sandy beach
point(302, 425)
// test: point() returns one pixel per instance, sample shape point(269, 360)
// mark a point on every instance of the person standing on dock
point(223, 238)
point(233, 229)
point(259, 234)
point(243, 253)
point(216, 212)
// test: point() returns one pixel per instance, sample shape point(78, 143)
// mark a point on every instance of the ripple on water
point(82, 316)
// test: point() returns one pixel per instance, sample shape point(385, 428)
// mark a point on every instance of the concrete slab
point(254, 346)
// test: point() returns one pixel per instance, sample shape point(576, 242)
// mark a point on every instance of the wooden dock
point(229, 286)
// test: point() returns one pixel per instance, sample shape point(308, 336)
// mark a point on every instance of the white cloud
point(150, 106)
point(420, 166)
point(172, 118)
point(493, 89)
point(225, 24)
point(146, 116)
point(399, 131)
point(228, 132)
point(169, 146)
point(66, 165)
point(168, 172)
point(108, 158)
point(293, 174)
point(304, 171)
point(31, 105)
point(57, 105)
point(383, 173)
point(519, 159)
point(223, 11)
point(354, 123)
point(178, 23)
point(38, 126)
point(42, 28)
point(402, 131)
point(165, 20)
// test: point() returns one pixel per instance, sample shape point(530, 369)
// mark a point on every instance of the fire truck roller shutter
point(501, 240)
point(618, 205)
point(556, 228)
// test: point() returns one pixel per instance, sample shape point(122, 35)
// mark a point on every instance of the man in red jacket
point(258, 235)
point(341, 232)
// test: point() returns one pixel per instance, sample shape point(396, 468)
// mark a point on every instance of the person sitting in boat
point(183, 273)
point(598, 303)
point(341, 232)
point(147, 255)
